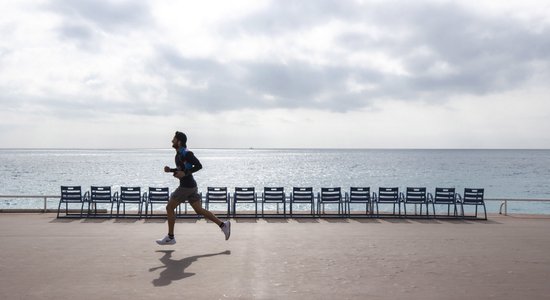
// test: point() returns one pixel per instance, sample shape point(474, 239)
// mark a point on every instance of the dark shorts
point(182, 194)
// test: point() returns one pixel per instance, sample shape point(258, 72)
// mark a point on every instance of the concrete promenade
point(503, 258)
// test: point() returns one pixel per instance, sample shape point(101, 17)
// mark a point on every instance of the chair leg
point(399, 208)
point(58, 208)
point(291, 209)
point(427, 210)
point(456, 210)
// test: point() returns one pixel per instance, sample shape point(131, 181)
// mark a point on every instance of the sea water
point(502, 173)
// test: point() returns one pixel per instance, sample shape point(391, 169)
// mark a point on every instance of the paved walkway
point(503, 258)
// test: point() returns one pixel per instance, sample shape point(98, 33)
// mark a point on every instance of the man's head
point(179, 140)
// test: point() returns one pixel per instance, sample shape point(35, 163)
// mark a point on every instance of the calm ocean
point(503, 173)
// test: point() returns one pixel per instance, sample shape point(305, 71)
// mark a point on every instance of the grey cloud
point(486, 54)
point(483, 54)
point(107, 15)
point(283, 16)
point(76, 31)
point(83, 18)
point(235, 85)
point(488, 57)
point(83, 35)
point(215, 86)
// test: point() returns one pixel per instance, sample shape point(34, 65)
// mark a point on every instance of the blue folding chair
point(245, 195)
point(72, 195)
point(359, 195)
point(217, 195)
point(100, 195)
point(415, 196)
point(274, 195)
point(388, 196)
point(302, 195)
point(132, 196)
point(155, 195)
point(473, 197)
point(444, 196)
point(330, 196)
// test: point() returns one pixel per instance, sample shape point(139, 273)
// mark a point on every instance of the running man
point(186, 165)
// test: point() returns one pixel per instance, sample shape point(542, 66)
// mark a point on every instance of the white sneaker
point(166, 241)
point(226, 229)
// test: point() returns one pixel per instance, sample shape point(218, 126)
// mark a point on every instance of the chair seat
point(130, 201)
point(387, 201)
point(359, 201)
point(473, 202)
point(72, 201)
point(416, 201)
point(443, 202)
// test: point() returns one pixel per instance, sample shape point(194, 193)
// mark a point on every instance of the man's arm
point(195, 163)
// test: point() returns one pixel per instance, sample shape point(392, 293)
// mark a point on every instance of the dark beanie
point(180, 136)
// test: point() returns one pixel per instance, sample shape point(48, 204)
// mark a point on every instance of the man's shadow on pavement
point(175, 269)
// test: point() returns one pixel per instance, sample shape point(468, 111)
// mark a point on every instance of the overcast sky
point(308, 74)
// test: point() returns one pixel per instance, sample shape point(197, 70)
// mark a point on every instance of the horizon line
point(261, 148)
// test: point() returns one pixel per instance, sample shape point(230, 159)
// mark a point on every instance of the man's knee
point(171, 206)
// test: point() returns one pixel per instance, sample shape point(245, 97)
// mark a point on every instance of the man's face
point(175, 143)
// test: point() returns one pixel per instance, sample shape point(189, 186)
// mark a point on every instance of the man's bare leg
point(225, 226)
point(207, 214)
point(171, 215)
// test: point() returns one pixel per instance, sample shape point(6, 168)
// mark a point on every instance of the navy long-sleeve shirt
point(187, 161)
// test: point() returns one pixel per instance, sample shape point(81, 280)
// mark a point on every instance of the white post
point(505, 207)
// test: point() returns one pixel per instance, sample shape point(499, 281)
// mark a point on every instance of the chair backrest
point(331, 194)
point(71, 193)
point(130, 194)
point(274, 194)
point(302, 194)
point(473, 195)
point(445, 195)
point(244, 194)
point(415, 194)
point(388, 194)
point(100, 193)
point(359, 194)
point(157, 194)
point(216, 194)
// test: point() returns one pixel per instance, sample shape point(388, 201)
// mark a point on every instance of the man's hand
point(179, 174)
point(167, 169)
